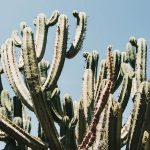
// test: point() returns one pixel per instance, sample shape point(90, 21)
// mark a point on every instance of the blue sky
point(109, 22)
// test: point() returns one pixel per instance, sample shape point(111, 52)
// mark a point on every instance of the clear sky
point(109, 22)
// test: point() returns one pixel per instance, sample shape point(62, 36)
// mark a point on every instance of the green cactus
point(96, 121)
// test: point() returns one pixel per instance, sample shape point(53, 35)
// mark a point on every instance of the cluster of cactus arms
point(95, 122)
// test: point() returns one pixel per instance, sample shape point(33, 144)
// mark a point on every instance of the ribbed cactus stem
point(88, 93)
point(33, 80)
point(141, 61)
point(79, 35)
point(11, 70)
point(20, 135)
point(59, 53)
point(90, 136)
point(110, 64)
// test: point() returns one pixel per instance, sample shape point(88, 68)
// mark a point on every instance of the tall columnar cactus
point(96, 120)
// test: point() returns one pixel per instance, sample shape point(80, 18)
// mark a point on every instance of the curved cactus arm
point(21, 89)
point(90, 135)
point(139, 111)
point(32, 76)
point(20, 135)
point(55, 106)
point(41, 35)
point(95, 65)
point(17, 88)
point(53, 19)
point(126, 68)
point(88, 94)
point(79, 35)
point(141, 61)
point(125, 131)
point(16, 39)
point(125, 92)
point(59, 53)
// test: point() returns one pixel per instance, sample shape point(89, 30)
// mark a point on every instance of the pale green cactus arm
point(88, 94)
point(79, 35)
point(82, 123)
point(101, 141)
point(20, 90)
point(32, 76)
point(139, 111)
point(126, 68)
point(125, 91)
point(141, 61)
point(90, 135)
point(20, 135)
point(59, 53)
point(101, 76)
point(6, 103)
point(16, 38)
point(42, 24)
point(114, 126)
point(131, 54)
point(117, 62)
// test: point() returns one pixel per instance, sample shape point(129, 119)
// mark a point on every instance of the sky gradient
point(109, 22)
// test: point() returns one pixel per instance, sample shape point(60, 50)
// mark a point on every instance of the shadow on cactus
point(95, 121)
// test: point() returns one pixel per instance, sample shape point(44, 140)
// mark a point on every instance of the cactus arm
point(59, 53)
point(33, 80)
point(117, 62)
point(53, 19)
point(90, 136)
point(139, 111)
point(141, 61)
point(41, 36)
point(102, 127)
point(19, 134)
point(88, 94)
point(101, 76)
point(110, 64)
point(8, 71)
point(68, 106)
point(23, 92)
point(125, 91)
point(146, 123)
point(114, 126)
point(16, 39)
point(79, 35)
point(131, 54)
point(82, 124)
point(42, 24)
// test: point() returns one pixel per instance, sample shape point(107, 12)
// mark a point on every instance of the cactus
point(93, 122)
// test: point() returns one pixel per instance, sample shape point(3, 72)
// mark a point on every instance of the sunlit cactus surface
point(95, 122)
